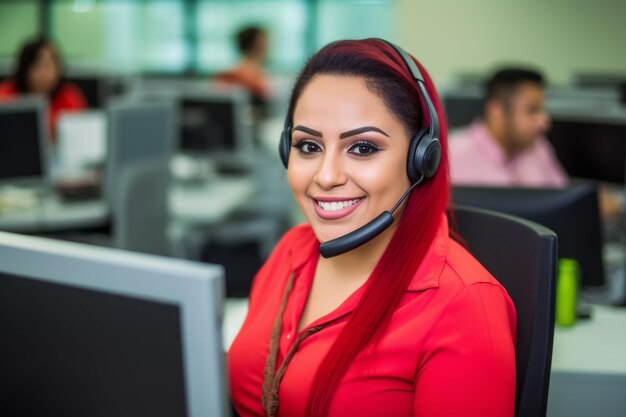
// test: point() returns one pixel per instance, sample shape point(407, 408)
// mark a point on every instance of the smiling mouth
point(335, 210)
point(336, 205)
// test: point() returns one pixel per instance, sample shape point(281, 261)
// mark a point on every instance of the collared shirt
point(448, 350)
point(477, 159)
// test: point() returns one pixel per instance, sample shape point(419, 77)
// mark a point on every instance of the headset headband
point(433, 118)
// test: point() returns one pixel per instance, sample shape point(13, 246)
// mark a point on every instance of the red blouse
point(448, 351)
point(256, 82)
point(68, 98)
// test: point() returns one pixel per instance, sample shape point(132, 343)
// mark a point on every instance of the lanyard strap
point(271, 377)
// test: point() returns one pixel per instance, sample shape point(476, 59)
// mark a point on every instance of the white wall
point(561, 37)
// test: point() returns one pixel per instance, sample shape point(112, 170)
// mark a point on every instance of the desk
point(589, 366)
point(51, 214)
point(209, 202)
point(190, 205)
point(196, 207)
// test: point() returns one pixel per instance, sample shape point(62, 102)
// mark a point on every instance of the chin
point(326, 232)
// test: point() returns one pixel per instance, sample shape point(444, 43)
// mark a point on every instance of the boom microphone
point(365, 233)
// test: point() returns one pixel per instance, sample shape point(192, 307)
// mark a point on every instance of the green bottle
point(566, 292)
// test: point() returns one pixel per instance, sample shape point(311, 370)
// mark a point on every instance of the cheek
point(390, 170)
point(34, 75)
point(385, 181)
point(298, 179)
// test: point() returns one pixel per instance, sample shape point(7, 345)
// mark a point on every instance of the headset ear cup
point(284, 146)
point(424, 156)
point(429, 154)
point(413, 169)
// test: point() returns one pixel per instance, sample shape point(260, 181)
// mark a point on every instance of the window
point(176, 36)
point(18, 22)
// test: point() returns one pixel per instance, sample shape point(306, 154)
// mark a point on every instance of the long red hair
point(387, 76)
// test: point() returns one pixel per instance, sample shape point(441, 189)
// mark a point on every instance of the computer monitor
point(462, 107)
point(23, 143)
point(217, 122)
point(572, 213)
point(590, 147)
point(92, 87)
point(599, 79)
point(101, 332)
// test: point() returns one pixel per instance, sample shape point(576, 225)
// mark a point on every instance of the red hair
point(387, 76)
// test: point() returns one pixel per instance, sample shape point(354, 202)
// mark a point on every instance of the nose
point(330, 172)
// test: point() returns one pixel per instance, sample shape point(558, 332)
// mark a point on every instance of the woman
point(252, 43)
point(38, 72)
point(406, 324)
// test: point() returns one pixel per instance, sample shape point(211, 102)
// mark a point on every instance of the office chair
point(141, 212)
point(137, 131)
point(141, 138)
point(522, 256)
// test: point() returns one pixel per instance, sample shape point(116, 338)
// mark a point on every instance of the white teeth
point(337, 205)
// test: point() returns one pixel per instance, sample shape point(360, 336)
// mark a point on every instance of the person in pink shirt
point(507, 146)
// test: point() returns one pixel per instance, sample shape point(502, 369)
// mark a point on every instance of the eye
point(307, 147)
point(363, 148)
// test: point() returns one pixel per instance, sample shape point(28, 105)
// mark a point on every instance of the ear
point(494, 111)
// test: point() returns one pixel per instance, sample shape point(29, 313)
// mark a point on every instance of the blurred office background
point(166, 162)
point(452, 38)
point(170, 50)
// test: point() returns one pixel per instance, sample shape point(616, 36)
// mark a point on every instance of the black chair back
point(522, 256)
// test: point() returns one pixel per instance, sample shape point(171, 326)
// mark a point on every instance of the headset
point(422, 162)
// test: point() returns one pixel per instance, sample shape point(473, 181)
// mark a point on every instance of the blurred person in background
point(508, 147)
point(39, 71)
point(252, 42)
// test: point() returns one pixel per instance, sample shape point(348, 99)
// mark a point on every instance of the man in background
point(507, 147)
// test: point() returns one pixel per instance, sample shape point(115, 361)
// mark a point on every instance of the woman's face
point(44, 73)
point(348, 160)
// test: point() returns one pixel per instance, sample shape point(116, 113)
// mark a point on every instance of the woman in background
point(253, 44)
point(403, 323)
point(39, 72)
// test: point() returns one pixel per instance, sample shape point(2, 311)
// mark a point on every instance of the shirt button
point(288, 336)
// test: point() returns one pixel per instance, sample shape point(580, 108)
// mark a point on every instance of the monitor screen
point(22, 141)
point(91, 87)
point(590, 148)
point(99, 332)
point(572, 213)
point(215, 121)
point(207, 125)
point(462, 109)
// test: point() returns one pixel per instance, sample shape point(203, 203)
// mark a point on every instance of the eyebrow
point(343, 135)
point(309, 131)
point(361, 130)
